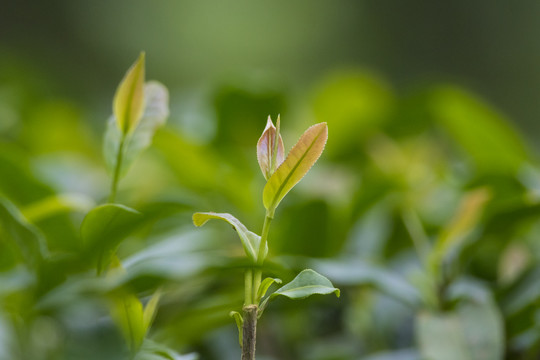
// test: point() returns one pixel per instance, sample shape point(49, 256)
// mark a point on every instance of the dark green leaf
point(104, 228)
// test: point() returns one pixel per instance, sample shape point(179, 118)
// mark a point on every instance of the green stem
point(260, 257)
point(117, 168)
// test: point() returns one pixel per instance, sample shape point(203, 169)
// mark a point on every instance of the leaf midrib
point(295, 167)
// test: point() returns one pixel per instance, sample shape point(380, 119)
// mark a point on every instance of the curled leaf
point(300, 159)
point(239, 323)
point(249, 239)
point(263, 288)
point(269, 155)
point(128, 103)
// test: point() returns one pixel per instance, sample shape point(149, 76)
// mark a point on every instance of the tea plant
point(282, 174)
point(139, 108)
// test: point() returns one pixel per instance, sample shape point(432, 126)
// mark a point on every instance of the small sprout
point(270, 153)
point(282, 175)
point(128, 103)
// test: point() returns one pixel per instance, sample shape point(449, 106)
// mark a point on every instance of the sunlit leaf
point(155, 115)
point(104, 227)
point(268, 160)
point(128, 103)
point(55, 204)
point(249, 239)
point(300, 159)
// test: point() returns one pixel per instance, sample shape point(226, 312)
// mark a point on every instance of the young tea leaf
point(305, 284)
point(300, 159)
point(267, 152)
point(155, 115)
point(249, 239)
point(128, 103)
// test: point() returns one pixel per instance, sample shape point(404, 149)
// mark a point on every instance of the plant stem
point(260, 256)
point(117, 168)
point(249, 332)
point(248, 287)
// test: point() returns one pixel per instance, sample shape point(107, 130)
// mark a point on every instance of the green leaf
point(127, 312)
point(485, 135)
point(104, 227)
point(305, 284)
point(263, 288)
point(239, 324)
point(466, 218)
point(155, 115)
point(473, 332)
point(151, 350)
point(249, 239)
point(19, 237)
point(300, 159)
point(150, 309)
point(128, 103)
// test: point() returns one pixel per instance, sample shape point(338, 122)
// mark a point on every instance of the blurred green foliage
point(424, 210)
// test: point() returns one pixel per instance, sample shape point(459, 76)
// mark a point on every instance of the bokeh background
point(423, 209)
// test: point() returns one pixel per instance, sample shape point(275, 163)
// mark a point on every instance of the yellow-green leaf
point(150, 309)
point(464, 221)
point(128, 103)
point(300, 159)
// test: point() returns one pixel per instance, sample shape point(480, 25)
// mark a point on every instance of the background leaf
point(104, 228)
point(19, 238)
point(155, 115)
point(473, 332)
point(128, 103)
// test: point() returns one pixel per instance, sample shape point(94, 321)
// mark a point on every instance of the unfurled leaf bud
point(270, 149)
point(128, 103)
